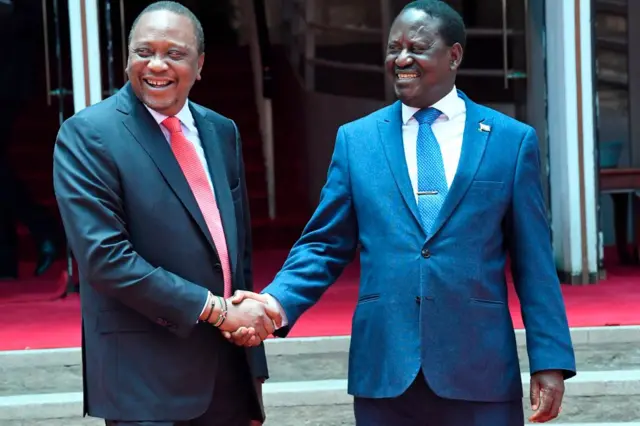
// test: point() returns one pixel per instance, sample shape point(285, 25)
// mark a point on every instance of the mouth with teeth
point(157, 84)
point(406, 75)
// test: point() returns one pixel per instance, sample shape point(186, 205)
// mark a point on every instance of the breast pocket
point(487, 200)
point(486, 189)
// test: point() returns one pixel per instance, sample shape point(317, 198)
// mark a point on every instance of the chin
point(158, 104)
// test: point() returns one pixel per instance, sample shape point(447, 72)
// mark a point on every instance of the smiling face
point(164, 62)
point(419, 61)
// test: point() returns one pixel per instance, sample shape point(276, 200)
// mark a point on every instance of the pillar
point(571, 133)
point(84, 26)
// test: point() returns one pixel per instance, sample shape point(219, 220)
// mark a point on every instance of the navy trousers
point(420, 406)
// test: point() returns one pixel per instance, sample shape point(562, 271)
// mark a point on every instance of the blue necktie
point(432, 182)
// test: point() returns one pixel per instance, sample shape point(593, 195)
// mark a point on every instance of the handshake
point(245, 319)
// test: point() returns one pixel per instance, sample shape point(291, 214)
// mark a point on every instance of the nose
point(404, 59)
point(157, 64)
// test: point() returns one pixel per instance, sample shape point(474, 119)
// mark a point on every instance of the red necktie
point(193, 170)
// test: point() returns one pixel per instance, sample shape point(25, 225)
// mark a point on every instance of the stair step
point(609, 349)
point(289, 403)
point(323, 366)
point(308, 385)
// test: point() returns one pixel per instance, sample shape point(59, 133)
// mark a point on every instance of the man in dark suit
point(153, 197)
point(437, 191)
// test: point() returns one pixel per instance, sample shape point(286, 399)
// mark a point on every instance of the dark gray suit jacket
point(146, 258)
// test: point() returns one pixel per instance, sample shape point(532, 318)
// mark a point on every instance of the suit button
point(218, 267)
point(426, 253)
point(418, 300)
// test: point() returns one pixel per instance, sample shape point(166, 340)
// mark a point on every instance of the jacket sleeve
point(90, 199)
point(534, 274)
point(328, 243)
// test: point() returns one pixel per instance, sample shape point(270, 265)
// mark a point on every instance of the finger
point(253, 341)
point(269, 325)
point(247, 337)
point(274, 315)
point(226, 335)
point(556, 407)
point(261, 331)
point(534, 393)
point(238, 296)
point(241, 334)
point(546, 402)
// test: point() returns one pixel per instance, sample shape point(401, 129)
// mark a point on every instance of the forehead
point(414, 24)
point(162, 25)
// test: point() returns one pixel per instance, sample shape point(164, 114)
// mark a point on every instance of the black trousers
point(233, 402)
point(420, 406)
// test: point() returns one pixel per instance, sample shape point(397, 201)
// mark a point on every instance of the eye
point(143, 52)
point(176, 54)
point(393, 49)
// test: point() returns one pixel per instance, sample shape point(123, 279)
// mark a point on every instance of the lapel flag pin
point(484, 127)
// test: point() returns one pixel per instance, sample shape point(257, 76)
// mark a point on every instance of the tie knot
point(172, 124)
point(427, 116)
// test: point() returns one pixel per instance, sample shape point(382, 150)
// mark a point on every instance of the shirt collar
point(185, 117)
point(451, 105)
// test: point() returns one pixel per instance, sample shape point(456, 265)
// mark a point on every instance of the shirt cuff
point(204, 308)
point(273, 302)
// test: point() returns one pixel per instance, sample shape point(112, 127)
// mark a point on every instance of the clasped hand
point(250, 319)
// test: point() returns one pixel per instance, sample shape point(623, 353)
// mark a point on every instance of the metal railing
point(304, 23)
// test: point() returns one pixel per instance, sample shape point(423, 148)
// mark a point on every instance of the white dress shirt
point(448, 130)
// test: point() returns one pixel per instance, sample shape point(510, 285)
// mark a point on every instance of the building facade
point(534, 60)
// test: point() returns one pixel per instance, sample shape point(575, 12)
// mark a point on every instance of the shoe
point(46, 257)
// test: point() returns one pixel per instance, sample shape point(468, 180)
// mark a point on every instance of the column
point(571, 135)
point(84, 29)
point(633, 49)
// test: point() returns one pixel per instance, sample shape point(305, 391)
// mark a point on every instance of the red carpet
point(29, 288)
point(46, 323)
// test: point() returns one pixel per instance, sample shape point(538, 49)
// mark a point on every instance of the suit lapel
point(146, 131)
point(212, 145)
point(390, 129)
point(474, 143)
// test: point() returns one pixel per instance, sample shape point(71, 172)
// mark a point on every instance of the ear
point(200, 65)
point(455, 56)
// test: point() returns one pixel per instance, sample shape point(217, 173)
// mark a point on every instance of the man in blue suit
point(437, 191)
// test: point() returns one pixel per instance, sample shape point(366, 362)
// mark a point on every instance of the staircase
point(307, 384)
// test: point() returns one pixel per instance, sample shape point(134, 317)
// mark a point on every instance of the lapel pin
point(484, 127)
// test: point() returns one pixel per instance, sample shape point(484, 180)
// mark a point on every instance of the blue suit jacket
point(438, 302)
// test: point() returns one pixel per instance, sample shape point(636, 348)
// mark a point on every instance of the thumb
point(238, 297)
point(534, 393)
point(273, 314)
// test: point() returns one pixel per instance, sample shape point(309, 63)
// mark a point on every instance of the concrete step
point(590, 397)
point(290, 360)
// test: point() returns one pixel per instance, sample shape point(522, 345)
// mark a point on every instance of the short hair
point(178, 9)
point(452, 28)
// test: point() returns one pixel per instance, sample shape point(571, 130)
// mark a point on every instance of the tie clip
point(427, 192)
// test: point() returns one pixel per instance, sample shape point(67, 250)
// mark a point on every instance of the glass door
point(34, 102)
